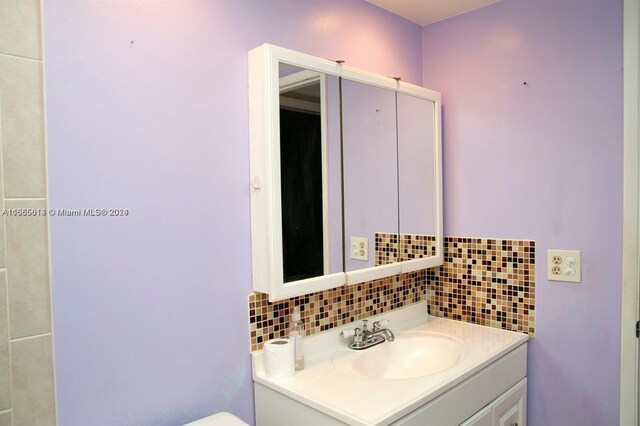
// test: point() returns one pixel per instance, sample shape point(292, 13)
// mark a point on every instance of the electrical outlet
point(564, 265)
point(359, 248)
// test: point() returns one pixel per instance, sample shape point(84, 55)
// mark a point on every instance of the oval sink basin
point(410, 356)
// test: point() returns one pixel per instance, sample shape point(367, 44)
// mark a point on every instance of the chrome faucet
point(378, 329)
point(364, 338)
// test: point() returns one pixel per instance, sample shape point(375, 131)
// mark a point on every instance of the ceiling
point(425, 12)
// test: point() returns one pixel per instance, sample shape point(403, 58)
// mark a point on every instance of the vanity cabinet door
point(511, 408)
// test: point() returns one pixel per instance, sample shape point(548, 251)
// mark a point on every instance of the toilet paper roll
point(279, 361)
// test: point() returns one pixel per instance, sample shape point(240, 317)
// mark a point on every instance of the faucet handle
point(379, 324)
point(347, 333)
point(357, 334)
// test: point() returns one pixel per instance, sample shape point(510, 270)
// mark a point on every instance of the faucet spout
point(388, 334)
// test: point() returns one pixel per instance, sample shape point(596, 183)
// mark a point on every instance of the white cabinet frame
point(266, 208)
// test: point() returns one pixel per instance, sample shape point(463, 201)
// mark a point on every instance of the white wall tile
point(26, 365)
point(28, 271)
point(5, 375)
point(3, 261)
point(20, 31)
point(33, 385)
point(22, 112)
point(3, 256)
point(5, 419)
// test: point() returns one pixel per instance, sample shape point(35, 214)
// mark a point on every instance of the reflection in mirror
point(417, 197)
point(370, 175)
point(310, 173)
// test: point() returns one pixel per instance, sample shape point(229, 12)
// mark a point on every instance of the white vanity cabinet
point(488, 386)
point(476, 394)
point(507, 409)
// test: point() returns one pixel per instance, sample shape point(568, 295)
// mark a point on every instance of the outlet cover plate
point(359, 248)
point(564, 265)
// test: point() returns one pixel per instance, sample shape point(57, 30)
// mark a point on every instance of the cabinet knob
point(255, 183)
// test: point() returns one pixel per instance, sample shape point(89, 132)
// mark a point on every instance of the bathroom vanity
point(436, 372)
point(346, 178)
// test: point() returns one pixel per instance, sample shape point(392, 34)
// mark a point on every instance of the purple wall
point(150, 310)
point(543, 161)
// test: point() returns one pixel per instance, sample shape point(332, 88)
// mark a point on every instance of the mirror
point(336, 153)
point(370, 175)
point(390, 180)
point(310, 175)
point(417, 204)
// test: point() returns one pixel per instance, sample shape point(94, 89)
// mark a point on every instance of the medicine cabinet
point(345, 174)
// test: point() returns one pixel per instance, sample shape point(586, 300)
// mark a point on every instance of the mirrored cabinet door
point(310, 173)
point(370, 179)
point(420, 177)
point(417, 173)
point(296, 194)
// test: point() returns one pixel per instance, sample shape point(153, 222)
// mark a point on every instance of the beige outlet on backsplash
point(359, 248)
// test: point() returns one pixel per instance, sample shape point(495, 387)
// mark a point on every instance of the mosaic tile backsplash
point(412, 246)
point(328, 309)
point(385, 248)
point(483, 281)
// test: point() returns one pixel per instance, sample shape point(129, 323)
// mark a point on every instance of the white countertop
point(364, 401)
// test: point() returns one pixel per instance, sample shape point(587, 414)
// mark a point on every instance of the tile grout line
point(26, 58)
point(35, 336)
